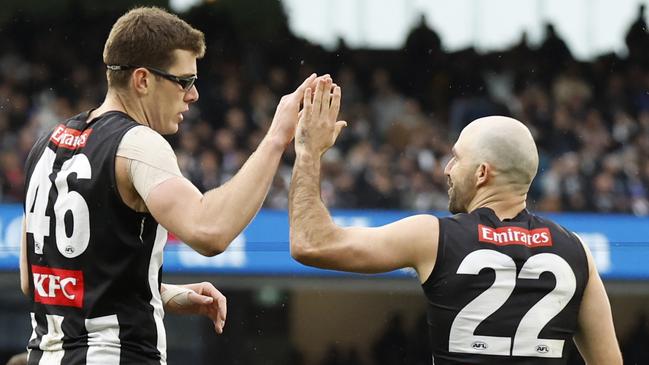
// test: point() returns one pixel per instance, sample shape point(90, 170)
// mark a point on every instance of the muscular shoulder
point(460, 219)
point(145, 145)
point(142, 140)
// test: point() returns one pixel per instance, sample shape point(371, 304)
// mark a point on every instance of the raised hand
point(318, 127)
point(286, 114)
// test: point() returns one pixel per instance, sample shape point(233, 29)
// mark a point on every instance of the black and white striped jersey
point(504, 292)
point(94, 264)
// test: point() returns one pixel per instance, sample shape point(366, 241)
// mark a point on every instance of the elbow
point(210, 251)
point(208, 242)
point(303, 252)
point(24, 287)
point(317, 249)
point(297, 251)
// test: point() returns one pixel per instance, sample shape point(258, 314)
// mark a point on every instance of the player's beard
point(460, 194)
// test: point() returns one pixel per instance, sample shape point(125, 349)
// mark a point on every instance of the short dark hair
point(147, 36)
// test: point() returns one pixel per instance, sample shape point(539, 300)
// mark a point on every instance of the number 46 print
point(65, 202)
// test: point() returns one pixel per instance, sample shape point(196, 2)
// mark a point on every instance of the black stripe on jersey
point(35, 352)
point(34, 357)
point(75, 347)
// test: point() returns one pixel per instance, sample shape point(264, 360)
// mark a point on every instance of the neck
point(118, 102)
point(506, 202)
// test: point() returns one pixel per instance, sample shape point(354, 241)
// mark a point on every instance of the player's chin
point(454, 207)
point(170, 128)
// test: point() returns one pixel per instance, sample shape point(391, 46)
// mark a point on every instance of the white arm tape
point(151, 159)
point(179, 294)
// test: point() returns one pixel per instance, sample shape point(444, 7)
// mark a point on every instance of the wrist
point(309, 160)
point(177, 293)
point(273, 143)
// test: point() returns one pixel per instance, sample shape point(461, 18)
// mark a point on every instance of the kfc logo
point(504, 236)
point(70, 138)
point(58, 286)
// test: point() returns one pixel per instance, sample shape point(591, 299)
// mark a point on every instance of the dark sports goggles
point(185, 82)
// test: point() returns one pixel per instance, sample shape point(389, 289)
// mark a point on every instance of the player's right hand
point(286, 115)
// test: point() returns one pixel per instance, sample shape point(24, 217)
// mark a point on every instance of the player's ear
point(140, 81)
point(482, 173)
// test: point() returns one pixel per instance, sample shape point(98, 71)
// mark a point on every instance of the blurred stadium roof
point(589, 27)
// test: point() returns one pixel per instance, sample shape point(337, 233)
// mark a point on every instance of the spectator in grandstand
point(637, 38)
point(553, 50)
point(38, 87)
point(93, 274)
point(530, 262)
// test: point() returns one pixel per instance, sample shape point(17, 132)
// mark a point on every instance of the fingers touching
point(335, 102)
point(306, 84)
point(319, 127)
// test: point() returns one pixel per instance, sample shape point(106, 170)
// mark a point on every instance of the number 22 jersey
point(505, 292)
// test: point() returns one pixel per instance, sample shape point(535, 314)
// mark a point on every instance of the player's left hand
point(200, 298)
point(318, 126)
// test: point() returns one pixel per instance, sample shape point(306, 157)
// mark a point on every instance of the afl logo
point(69, 250)
point(542, 349)
point(479, 345)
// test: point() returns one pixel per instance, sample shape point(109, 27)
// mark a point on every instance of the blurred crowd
point(404, 109)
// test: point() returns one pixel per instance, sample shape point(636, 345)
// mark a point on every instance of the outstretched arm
point(315, 239)
point(209, 222)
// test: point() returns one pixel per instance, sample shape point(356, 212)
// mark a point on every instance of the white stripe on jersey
point(103, 340)
point(156, 302)
point(52, 341)
point(33, 336)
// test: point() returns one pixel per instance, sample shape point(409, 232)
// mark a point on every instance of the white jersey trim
point(52, 341)
point(33, 336)
point(156, 302)
point(103, 341)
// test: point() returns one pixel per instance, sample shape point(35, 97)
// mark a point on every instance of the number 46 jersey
point(93, 262)
point(504, 292)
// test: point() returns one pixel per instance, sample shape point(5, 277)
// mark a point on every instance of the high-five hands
point(318, 126)
point(286, 114)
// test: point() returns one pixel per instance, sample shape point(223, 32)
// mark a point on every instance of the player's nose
point(191, 96)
